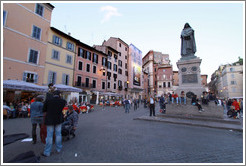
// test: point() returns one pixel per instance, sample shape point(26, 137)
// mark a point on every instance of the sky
point(219, 27)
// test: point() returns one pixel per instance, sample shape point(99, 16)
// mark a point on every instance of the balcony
point(120, 87)
point(84, 85)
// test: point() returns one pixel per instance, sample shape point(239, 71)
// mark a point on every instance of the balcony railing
point(83, 85)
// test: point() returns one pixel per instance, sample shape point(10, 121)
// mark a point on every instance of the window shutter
point(24, 76)
point(35, 78)
point(54, 78)
point(64, 79)
point(49, 77)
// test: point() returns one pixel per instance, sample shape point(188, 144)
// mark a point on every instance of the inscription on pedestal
point(189, 78)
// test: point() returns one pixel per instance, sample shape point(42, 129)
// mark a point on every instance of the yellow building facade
point(60, 56)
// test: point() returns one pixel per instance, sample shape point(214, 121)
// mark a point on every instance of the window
point(30, 77)
point(233, 89)
point(114, 85)
point(33, 56)
point(232, 69)
point(108, 85)
point(126, 73)
point(4, 17)
point(79, 80)
point(109, 65)
point(115, 67)
point(104, 61)
point(69, 59)
point(119, 53)
point(80, 52)
point(36, 32)
point(164, 84)
point(125, 49)
point(80, 65)
point(232, 76)
point(57, 40)
point(233, 83)
point(94, 69)
point(125, 65)
point(164, 70)
point(120, 63)
point(169, 84)
point(87, 82)
point(119, 44)
point(94, 84)
point(125, 57)
point(109, 53)
point(103, 85)
point(120, 83)
point(70, 46)
point(55, 55)
point(65, 79)
point(52, 77)
point(39, 9)
point(88, 55)
point(120, 71)
point(95, 58)
point(88, 66)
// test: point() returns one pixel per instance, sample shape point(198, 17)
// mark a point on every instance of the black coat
point(53, 109)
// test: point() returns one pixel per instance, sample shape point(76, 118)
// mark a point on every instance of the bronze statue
point(188, 45)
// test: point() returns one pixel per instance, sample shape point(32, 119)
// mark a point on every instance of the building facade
point(60, 57)
point(25, 38)
point(90, 73)
point(227, 81)
point(151, 62)
point(164, 79)
point(123, 58)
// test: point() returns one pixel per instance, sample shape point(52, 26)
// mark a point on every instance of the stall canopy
point(22, 85)
point(110, 94)
point(66, 88)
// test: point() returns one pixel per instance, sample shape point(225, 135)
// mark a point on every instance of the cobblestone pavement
point(112, 136)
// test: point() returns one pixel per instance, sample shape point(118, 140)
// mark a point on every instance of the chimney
point(69, 34)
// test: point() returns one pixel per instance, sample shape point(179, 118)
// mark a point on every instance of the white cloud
point(109, 12)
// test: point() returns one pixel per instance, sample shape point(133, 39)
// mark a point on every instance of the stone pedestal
point(189, 75)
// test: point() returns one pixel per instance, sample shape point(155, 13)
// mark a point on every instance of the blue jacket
point(36, 109)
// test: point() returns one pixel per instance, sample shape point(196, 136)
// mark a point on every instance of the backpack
point(127, 102)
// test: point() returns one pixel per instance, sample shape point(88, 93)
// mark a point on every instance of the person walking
point(152, 106)
point(127, 105)
point(36, 114)
point(135, 104)
point(53, 120)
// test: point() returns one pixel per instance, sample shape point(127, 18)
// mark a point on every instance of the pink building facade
point(25, 36)
point(89, 74)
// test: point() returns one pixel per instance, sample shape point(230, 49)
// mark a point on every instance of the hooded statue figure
point(188, 45)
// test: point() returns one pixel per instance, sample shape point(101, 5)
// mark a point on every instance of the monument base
point(189, 76)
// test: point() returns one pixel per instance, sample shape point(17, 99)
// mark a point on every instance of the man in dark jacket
point(53, 120)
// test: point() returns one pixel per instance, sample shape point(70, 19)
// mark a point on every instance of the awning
point(110, 94)
point(66, 88)
point(22, 85)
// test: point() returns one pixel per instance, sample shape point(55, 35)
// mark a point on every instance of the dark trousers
point(152, 109)
point(34, 135)
point(135, 106)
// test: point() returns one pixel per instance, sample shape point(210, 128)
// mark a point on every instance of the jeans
point(127, 107)
point(182, 99)
point(177, 100)
point(49, 139)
